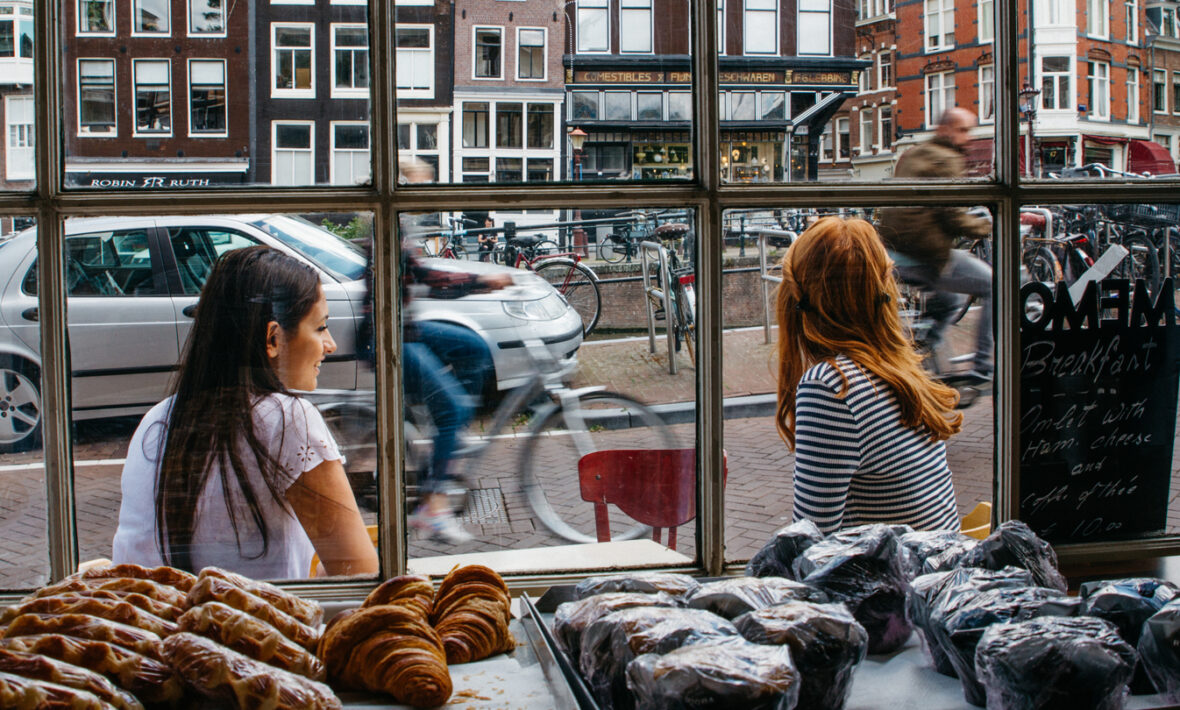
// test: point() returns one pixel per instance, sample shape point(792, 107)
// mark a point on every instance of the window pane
point(151, 15)
point(650, 107)
point(508, 125)
point(540, 128)
point(617, 106)
point(206, 16)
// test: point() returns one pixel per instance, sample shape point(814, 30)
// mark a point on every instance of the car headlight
point(547, 308)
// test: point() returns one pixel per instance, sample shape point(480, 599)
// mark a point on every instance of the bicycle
point(575, 281)
point(681, 281)
point(618, 245)
point(452, 237)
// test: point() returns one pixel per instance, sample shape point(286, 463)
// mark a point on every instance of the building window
point(866, 131)
point(153, 96)
point(721, 26)
point(475, 124)
point(1168, 22)
point(760, 31)
point(350, 153)
point(291, 156)
point(477, 169)
point(616, 105)
point(584, 104)
point(206, 17)
point(150, 16)
point(488, 46)
point(825, 145)
point(987, 93)
point(635, 26)
point(96, 16)
point(292, 60)
point(1176, 92)
point(539, 170)
point(1132, 95)
point(419, 140)
point(593, 26)
point(940, 25)
point(885, 132)
point(843, 140)
point(649, 106)
point(530, 53)
point(207, 101)
point(350, 66)
point(19, 156)
point(1055, 12)
point(509, 125)
point(1056, 83)
point(815, 27)
point(1098, 77)
point(415, 61)
point(540, 125)
point(16, 36)
point(987, 20)
point(1098, 18)
point(884, 70)
point(679, 106)
point(509, 169)
point(743, 106)
point(774, 106)
point(1132, 24)
point(940, 95)
point(96, 96)
point(1159, 91)
point(864, 82)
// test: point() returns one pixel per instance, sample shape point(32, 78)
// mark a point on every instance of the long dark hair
point(222, 374)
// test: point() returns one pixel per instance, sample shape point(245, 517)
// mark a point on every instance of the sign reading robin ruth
point(1098, 380)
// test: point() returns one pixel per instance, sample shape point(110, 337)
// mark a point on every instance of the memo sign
point(1098, 385)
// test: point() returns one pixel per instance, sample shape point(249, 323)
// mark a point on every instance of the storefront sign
point(632, 77)
point(818, 77)
point(133, 181)
point(1098, 385)
point(751, 77)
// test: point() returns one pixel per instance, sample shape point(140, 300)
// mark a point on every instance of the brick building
point(1162, 84)
point(425, 36)
point(859, 140)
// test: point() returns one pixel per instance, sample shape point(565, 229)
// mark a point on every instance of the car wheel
point(20, 405)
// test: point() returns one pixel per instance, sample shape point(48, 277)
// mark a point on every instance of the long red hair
point(839, 297)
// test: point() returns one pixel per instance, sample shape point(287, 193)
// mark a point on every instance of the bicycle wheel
point(1042, 265)
point(612, 250)
point(557, 441)
point(546, 247)
point(458, 251)
point(685, 323)
point(1142, 261)
point(578, 284)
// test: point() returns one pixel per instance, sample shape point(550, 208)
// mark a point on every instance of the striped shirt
point(856, 463)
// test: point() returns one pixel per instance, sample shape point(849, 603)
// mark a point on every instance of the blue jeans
point(963, 274)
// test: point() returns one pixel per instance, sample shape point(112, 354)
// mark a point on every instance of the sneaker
point(443, 526)
point(981, 375)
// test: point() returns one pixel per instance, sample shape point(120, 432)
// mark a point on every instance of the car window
point(108, 263)
point(196, 248)
point(342, 259)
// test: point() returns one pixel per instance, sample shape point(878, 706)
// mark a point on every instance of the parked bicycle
point(681, 280)
point(621, 244)
point(449, 243)
point(575, 281)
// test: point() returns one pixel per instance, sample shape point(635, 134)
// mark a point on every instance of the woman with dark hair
point(866, 422)
point(233, 469)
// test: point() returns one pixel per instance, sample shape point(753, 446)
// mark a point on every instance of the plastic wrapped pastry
point(571, 618)
point(611, 642)
point(169, 576)
point(88, 627)
point(146, 587)
point(42, 668)
point(733, 597)
point(1159, 650)
point(826, 645)
point(725, 674)
point(1054, 663)
point(776, 557)
point(1015, 544)
point(927, 551)
point(1127, 603)
point(861, 567)
point(215, 589)
point(252, 637)
point(109, 609)
point(307, 611)
point(20, 693)
point(677, 585)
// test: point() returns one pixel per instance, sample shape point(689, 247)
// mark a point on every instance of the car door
point(193, 251)
point(122, 331)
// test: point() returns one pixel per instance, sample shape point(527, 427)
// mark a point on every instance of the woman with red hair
point(867, 423)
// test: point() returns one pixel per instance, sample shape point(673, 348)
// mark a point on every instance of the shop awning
point(1104, 140)
point(1149, 158)
point(815, 118)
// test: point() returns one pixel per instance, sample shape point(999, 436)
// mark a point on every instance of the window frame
point(885, 68)
point(803, 31)
point(986, 19)
point(1176, 93)
point(348, 92)
point(135, 84)
point(943, 13)
point(193, 133)
point(158, 33)
point(1070, 100)
point(417, 93)
point(206, 35)
point(114, 8)
point(746, 23)
point(1098, 19)
point(630, 11)
point(596, 7)
point(82, 130)
point(544, 53)
point(868, 116)
point(1098, 81)
point(10, 150)
point(1159, 83)
point(941, 90)
point(986, 96)
point(1133, 113)
point(310, 150)
point(277, 92)
point(475, 30)
point(332, 150)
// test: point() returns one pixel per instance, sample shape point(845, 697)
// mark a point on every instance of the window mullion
point(1006, 284)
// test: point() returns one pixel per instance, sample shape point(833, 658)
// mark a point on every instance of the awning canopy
point(1104, 140)
point(1149, 158)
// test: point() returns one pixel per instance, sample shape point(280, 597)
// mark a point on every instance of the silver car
point(133, 283)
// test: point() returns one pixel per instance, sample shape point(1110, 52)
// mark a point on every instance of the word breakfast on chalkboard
point(1098, 386)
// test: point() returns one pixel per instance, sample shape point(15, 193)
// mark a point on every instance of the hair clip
point(884, 298)
point(803, 304)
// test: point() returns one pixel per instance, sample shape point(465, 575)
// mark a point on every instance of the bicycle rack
point(662, 292)
point(767, 278)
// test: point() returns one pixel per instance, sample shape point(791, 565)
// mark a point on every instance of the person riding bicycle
point(925, 237)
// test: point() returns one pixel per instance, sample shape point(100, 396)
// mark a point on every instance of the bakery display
point(215, 589)
point(87, 627)
point(169, 576)
point(304, 610)
point(42, 668)
point(470, 612)
point(730, 598)
point(251, 637)
point(109, 609)
point(1128, 603)
point(720, 674)
point(676, 585)
point(571, 618)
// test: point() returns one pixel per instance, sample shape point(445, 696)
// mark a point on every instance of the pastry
point(146, 587)
point(42, 668)
point(111, 610)
point(251, 637)
point(169, 576)
point(471, 613)
point(215, 589)
point(20, 693)
point(305, 610)
point(410, 587)
point(89, 627)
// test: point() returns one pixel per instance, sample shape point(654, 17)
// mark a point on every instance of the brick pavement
point(758, 491)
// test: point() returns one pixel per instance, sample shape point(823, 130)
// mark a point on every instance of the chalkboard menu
point(1098, 381)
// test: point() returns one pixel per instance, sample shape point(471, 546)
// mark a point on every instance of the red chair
point(656, 487)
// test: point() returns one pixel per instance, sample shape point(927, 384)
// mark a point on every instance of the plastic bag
point(731, 598)
point(776, 557)
point(861, 567)
point(611, 642)
point(1159, 650)
point(929, 551)
point(959, 619)
point(826, 645)
point(926, 589)
point(728, 674)
point(1014, 543)
point(571, 618)
point(678, 585)
point(1127, 603)
point(1055, 663)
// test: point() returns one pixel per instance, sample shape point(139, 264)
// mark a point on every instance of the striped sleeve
point(827, 454)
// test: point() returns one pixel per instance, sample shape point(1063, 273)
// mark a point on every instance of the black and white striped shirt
point(856, 463)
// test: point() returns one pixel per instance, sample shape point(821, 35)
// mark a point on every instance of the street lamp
point(577, 138)
point(1028, 109)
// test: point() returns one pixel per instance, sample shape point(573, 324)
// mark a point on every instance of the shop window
point(1055, 83)
point(584, 104)
point(206, 17)
point(987, 93)
point(593, 26)
point(350, 65)
point(616, 105)
point(679, 106)
point(540, 125)
point(1098, 78)
point(940, 25)
point(292, 59)
point(475, 124)
point(649, 106)
point(940, 95)
point(18, 120)
point(488, 52)
point(815, 27)
point(415, 61)
point(292, 153)
point(530, 54)
point(96, 96)
point(760, 28)
point(96, 16)
point(635, 26)
point(774, 106)
point(605, 158)
point(207, 98)
point(350, 153)
point(743, 106)
point(509, 125)
point(1098, 18)
point(150, 16)
point(153, 96)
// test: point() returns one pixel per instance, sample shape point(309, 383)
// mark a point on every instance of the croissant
point(164, 575)
point(160, 592)
point(471, 613)
point(305, 610)
point(410, 588)
point(20, 693)
point(40, 668)
point(389, 648)
point(111, 610)
point(89, 627)
point(221, 673)
point(150, 680)
point(251, 637)
point(214, 589)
